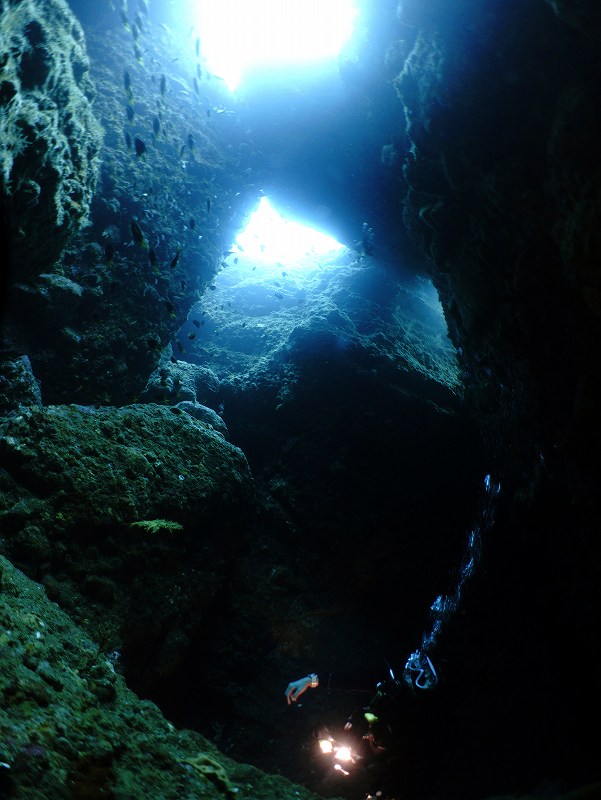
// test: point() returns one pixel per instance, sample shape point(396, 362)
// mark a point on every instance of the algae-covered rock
point(158, 525)
point(52, 301)
point(181, 382)
point(49, 137)
point(69, 726)
point(109, 465)
point(18, 385)
point(204, 414)
point(123, 514)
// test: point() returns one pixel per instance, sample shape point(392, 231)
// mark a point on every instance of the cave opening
point(338, 381)
point(238, 37)
point(335, 375)
point(282, 456)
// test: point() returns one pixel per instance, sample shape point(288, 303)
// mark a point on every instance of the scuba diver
point(419, 674)
point(375, 746)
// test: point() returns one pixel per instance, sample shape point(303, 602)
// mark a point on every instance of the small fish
point(173, 359)
point(279, 295)
point(208, 205)
point(128, 140)
point(196, 86)
point(174, 260)
point(180, 346)
point(127, 83)
point(236, 260)
point(212, 287)
point(197, 46)
point(156, 126)
point(129, 110)
point(139, 146)
point(154, 261)
point(163, 85)
point(191, 223)
point(284, 273)
point(196, 323)
point(192, 336)
point(136, 232)
point(198, 72)
point(208, 112)
point(182, 151)
point(190, 141)
point(183, 285)
point(170, 309)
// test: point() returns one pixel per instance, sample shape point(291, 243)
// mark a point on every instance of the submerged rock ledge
point(69, 726)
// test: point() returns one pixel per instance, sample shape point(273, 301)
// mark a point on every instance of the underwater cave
point(299, 442)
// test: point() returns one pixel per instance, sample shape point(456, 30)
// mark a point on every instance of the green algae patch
point(157, 526)
point(213, 771)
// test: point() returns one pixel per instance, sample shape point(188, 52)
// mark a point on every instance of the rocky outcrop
point(502, 190)
point(142, 491)
point(18, 385)
point(94, 313)
point(69, 727)
point(49, 136)
point(503, 193)
point(118, 465)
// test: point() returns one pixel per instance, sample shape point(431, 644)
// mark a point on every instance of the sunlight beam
point(270, 238)
point(238, 35)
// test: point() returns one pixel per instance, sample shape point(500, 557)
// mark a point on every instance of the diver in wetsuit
point(384, 729)
point(419, 674)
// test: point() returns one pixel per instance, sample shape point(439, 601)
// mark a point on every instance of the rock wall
point(94, 311)
point(69, 727)
point(502, 190)
point(49, 136)
point(503, 193)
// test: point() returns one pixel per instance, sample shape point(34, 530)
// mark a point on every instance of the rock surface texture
point(503, 178)
point(208, 576)
point(49, 136)
point(69, 727)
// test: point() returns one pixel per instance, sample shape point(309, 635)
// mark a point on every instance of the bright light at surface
point(240, 34)
point(270, 238)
